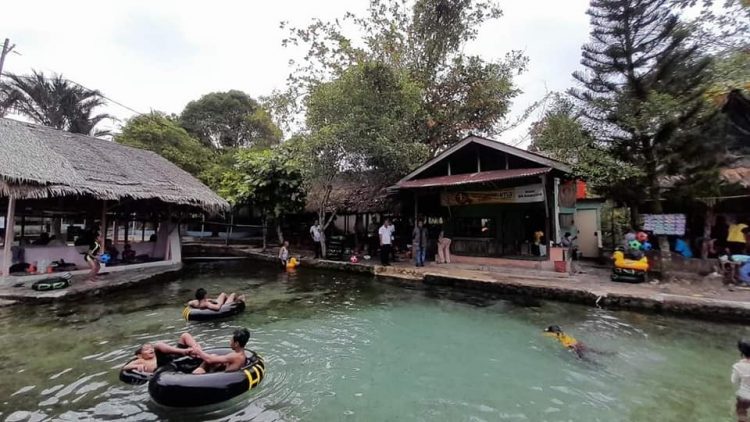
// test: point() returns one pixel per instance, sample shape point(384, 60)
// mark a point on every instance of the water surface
point(344, 347)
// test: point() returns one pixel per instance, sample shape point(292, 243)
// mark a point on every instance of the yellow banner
point(517, 195)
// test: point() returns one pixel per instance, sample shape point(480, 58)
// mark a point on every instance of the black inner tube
point(182, 363)
point(228, 309)
point(176, 386)
point(53, 283)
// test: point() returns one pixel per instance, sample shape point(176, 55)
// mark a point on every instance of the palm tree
point(55, 102)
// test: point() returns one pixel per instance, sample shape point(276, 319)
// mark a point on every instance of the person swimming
point(566, 340)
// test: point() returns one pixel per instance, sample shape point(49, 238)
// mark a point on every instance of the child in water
point(741, 378)
point(284, 254)
point(566, 340)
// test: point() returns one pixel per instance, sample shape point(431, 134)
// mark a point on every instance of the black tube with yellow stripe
point(171, 387)
point(227, 310)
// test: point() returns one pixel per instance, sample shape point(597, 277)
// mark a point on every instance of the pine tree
point(642, 94)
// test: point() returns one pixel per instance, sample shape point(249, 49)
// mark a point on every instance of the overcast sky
point(162, 54)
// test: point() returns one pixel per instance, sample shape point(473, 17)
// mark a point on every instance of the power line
point(82, 86)
point(138, 113)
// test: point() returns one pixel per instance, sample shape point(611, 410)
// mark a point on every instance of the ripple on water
point(346, 348)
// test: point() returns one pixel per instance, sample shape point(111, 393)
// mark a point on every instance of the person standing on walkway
point(92, 257)
point(316, 238)
point(386, 242)
point(419, 243)
point(444, 246)
point(736, 238)
point(741, 379)
point(568, 241)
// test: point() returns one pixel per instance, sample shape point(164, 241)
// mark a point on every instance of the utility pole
point(7, 48)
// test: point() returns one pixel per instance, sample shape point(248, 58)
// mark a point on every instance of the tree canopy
point(161, 134)
point(423, 41)
point(642, 94)
point(230, 119)
point(53, 101)
point(560, 134)
point(269, 179)
point(369, 113)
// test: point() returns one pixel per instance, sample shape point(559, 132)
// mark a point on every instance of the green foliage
point(560, 135)
point(729, 71)
point(230, 119)
point(269, 180)
point(721, 25)
point(422, 41)
point(642, 94)
point(162, 135)
point(364, 120)
point(55, 102)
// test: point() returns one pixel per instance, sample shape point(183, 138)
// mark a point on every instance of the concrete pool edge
point(80, 288)
point(548, 287)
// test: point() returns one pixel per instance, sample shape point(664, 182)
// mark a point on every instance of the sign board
point(665, 224)
point(516, 195)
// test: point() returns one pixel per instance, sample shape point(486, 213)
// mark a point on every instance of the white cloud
point(161, 54)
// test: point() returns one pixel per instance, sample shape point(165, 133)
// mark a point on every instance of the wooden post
point(203, 225)
point(231, 224)
point(10, 228)
point(103, 223)
point(23, 226)
point(115, 231)
point(547, 223)
point(127, 230)
point(416, 207)
point(143, 231)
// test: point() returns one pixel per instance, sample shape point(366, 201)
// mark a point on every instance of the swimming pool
point(345, 347)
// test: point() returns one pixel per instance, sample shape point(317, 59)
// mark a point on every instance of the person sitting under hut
point(151, 356)
point(128, 254)
point(42, 241)
point(202, 301)
point(111, 249)
point(233, 361)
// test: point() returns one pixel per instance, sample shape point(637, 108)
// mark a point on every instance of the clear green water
point(342, 347)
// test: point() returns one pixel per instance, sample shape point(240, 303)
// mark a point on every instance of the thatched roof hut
point(354, 193)
point(38, 162)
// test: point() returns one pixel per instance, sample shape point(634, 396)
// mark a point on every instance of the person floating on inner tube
point(230, 362)
point(202, 301)
point(566, 340)
point(151, 356)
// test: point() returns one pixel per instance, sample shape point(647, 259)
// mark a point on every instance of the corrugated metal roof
point(464, 179)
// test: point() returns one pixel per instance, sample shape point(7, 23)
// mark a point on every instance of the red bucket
point(560, 267)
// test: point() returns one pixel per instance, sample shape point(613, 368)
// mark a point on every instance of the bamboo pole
point(10, 227)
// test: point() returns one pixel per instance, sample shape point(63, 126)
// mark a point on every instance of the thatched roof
point(353, 193)
point(40, 162)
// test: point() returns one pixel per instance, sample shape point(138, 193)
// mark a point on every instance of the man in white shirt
point(385, 233)
point(316, 238)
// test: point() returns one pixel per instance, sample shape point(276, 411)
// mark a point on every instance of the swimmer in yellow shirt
point(567, 341)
